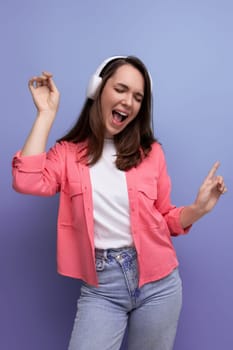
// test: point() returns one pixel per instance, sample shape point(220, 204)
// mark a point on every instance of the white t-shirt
point(110, 200)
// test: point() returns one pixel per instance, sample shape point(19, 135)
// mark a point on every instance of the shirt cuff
point(29, 164)
point(175, 224)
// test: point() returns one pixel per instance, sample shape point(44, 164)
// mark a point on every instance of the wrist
point(200, 210)
point(45, 119)
point(46, 114)
point(197, 210)
point(191, 214)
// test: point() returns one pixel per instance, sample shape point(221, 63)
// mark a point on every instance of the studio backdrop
point(187, 46)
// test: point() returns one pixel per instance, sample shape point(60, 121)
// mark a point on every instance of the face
point(121, 98)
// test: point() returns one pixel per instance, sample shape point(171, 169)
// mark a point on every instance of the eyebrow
point(126, 87)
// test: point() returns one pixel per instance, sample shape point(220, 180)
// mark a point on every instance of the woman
point(115, 218)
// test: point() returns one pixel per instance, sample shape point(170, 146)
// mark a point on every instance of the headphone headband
point(105, 62)
point(96, 80)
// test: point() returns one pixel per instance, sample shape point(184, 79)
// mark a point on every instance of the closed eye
point(121, 88)
point(138, 97)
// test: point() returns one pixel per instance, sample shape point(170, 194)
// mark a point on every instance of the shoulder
point(67, 147)
point(156, 150)
point(66, 151)
point(155, 158)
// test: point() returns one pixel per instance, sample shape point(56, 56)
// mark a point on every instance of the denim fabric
point(149, 313)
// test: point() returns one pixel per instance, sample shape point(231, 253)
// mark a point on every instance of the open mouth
point(119, 117)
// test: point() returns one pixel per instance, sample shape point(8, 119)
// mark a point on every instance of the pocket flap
point(149, 190)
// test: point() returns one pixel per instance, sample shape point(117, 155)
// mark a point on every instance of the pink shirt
point(153, 218)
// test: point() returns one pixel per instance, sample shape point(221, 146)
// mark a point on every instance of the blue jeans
point(149, 313)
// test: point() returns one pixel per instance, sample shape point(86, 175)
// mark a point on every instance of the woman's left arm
point(208, 195)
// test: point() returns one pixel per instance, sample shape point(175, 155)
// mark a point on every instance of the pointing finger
point(213, 170)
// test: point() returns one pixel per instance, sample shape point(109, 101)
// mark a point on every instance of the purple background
point(187, 46)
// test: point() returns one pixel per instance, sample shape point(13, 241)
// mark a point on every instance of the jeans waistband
point(114, 252)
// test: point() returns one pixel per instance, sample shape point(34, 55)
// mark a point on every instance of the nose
point(128, 99)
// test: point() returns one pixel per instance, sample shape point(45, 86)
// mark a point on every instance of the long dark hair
point(134, 142)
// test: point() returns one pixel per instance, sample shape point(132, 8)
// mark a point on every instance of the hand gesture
point(210, 191)
point(44, 93)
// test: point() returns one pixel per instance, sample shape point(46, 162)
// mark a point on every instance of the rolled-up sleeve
point(29, 164)
point(173, 221)
point(37, 174)
point(170, 212)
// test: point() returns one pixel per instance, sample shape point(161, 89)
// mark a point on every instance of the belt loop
point(105, 255)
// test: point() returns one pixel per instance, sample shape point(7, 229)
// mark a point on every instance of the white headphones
point(96, 79)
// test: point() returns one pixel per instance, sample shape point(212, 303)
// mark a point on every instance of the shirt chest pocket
point(74, 189)
point(148, 215)
point(148, 191)
point(76, 201)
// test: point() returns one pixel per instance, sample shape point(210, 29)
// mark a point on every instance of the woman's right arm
point(34, 171)
point(46, 99)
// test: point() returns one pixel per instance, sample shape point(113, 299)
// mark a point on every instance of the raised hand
point(211, 189)
point(209, 192)
point(46, 98)
point(44, 93)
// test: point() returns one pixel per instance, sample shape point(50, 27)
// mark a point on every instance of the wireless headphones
point(96, 80)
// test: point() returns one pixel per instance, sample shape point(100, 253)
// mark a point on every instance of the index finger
point(52, 85)
point(213, 170)
point(47, 74)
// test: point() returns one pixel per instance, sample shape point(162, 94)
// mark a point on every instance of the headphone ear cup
point(93, 85)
